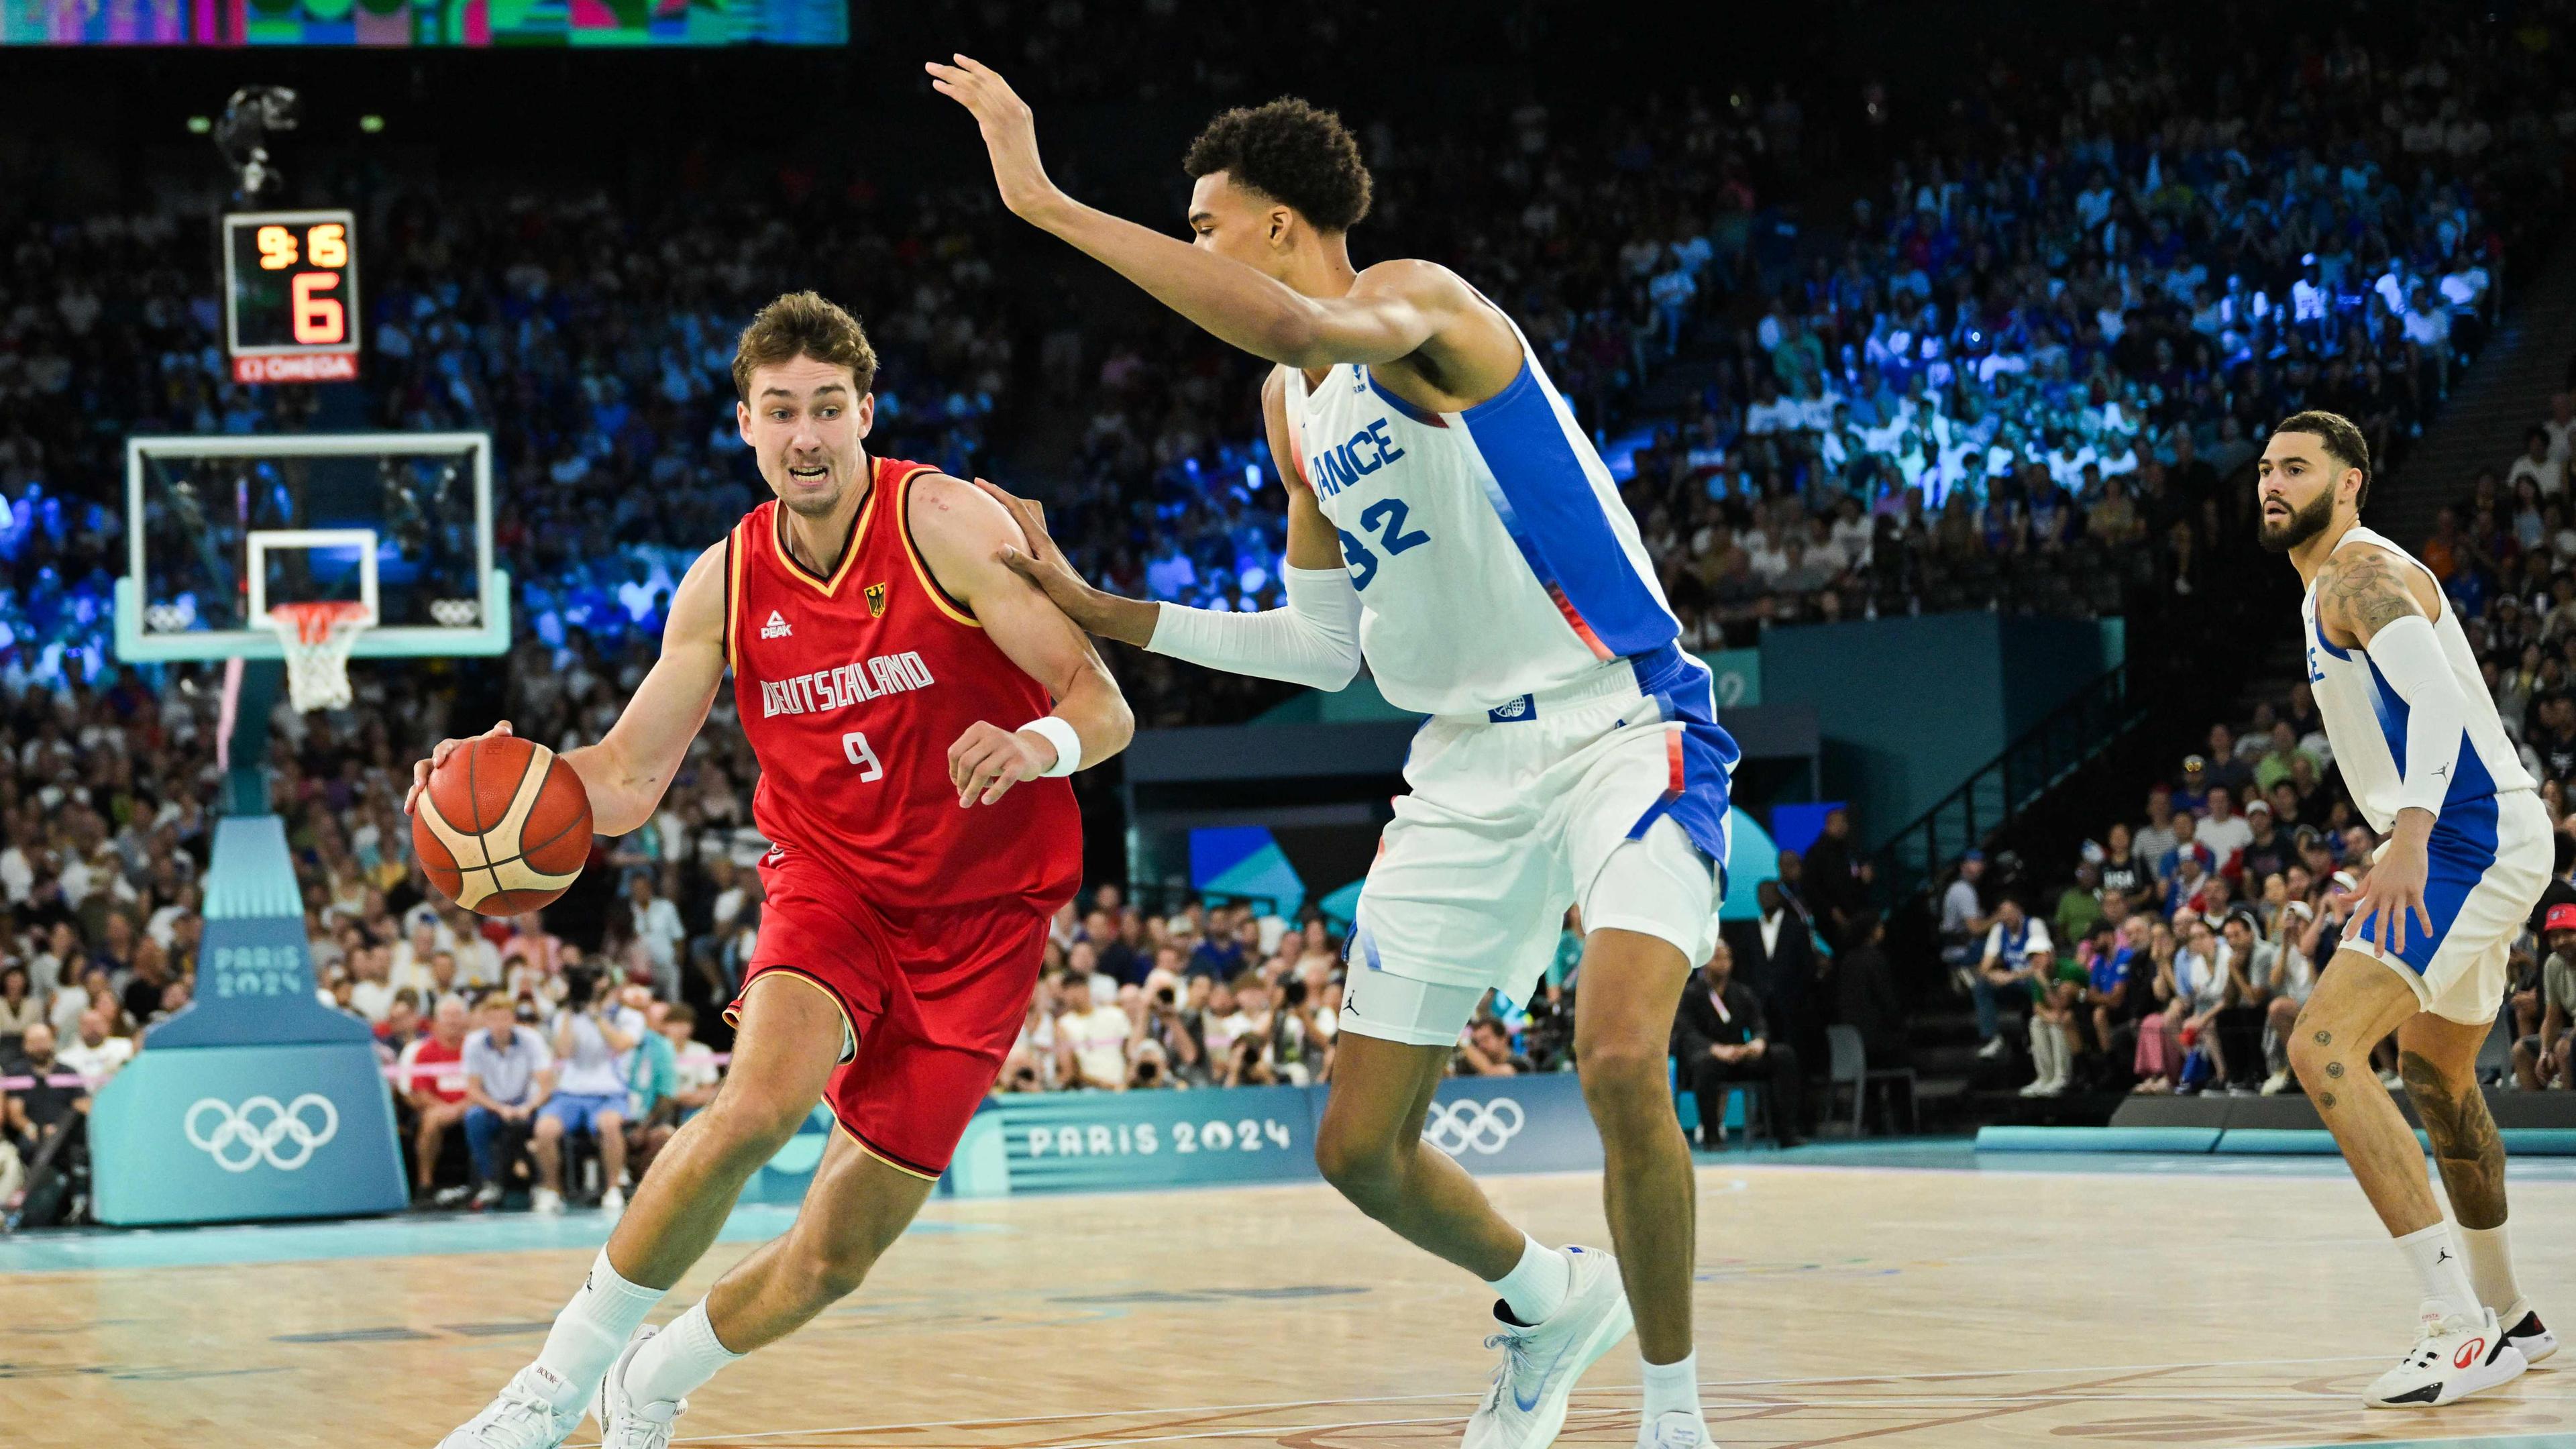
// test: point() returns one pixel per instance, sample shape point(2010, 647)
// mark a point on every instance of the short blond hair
point(803, 324)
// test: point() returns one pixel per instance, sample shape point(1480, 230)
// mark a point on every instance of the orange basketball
point(503, 827)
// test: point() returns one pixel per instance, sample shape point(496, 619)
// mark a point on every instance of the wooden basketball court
point(1901, 1296)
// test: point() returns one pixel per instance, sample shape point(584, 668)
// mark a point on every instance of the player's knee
point(549, 1128)
point(754, 1125)
point(834, 1269)
point(1616, 1068)
point(2313, 1055)
point(1359, 1168)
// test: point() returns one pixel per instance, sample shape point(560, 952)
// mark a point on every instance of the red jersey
point(852, 688)
point(426, 1053)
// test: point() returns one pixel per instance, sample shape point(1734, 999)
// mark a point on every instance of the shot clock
point(291, 295)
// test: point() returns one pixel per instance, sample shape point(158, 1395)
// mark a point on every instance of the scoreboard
point(291, 295)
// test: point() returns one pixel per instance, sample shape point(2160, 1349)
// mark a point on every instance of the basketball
point(503, 827)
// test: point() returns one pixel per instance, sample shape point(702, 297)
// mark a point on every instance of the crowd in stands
point(2177, 956)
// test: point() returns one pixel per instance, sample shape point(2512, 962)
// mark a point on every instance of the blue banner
point(225, 1134)
point(1118, 1141)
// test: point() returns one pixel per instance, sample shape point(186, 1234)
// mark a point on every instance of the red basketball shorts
point(935, 998)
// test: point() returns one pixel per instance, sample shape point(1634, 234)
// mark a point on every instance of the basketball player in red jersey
point(883, 658)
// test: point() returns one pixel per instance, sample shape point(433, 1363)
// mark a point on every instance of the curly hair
point(1294, 153)
point(803, 324)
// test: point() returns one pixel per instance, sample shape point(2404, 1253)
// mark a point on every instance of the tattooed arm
point(2367, 595)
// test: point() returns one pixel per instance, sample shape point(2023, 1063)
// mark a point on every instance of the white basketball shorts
point(2488, 862)
point(1610, 795)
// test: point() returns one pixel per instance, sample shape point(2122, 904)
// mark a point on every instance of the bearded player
point(1452, 524)
point(2468, 852)
point(883, 662)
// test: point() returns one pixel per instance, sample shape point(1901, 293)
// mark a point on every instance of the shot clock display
point(291, 295)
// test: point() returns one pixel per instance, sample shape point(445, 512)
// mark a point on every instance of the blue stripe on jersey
point(1547, 504)
point(1683, 690)
point(2342, 654)
point(2457, 856)
point(2469, 778)
point(1430, 420)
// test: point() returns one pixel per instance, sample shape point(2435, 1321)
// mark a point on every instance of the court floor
point(1908, 1296)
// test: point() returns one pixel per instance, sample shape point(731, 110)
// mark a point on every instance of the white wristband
point(1068, 745)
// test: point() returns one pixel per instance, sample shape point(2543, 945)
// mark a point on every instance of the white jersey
point(1492, 553)
point(2366, 721)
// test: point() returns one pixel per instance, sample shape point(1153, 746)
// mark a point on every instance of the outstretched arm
point(962, 532)
point(1314, 641)
point(2366, 594)
point(626, 773)
point(1396, 309)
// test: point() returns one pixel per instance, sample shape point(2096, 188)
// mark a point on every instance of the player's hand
point(420, 770)
point(1010, 132)
point(2394, 887)
point(988, 760)
point(1094, 611)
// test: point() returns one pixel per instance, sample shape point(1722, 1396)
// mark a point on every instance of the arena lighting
point(372, 125)
point(200, 125)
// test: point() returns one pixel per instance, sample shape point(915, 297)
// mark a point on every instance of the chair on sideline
point(1851, 1069)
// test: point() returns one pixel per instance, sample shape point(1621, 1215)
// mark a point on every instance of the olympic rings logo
point(241, 1138)
point(1472, 1126)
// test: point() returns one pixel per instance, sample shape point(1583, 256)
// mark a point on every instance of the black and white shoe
point(2525, 1331)
point(2453, 1357)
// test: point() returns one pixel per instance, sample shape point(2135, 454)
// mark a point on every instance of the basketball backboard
point(221, 529)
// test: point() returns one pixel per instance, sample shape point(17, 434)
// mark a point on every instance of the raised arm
point(1396, 310)
point(626, 773)
point(962, 531)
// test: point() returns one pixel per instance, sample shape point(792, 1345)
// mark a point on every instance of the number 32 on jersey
point(1384, 519)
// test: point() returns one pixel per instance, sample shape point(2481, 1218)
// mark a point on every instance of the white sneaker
point(2453, 1358)
point(1526, 1406)
point(448, 1197)
point(2277, 1083)
point(523, 1416)
point(1992, 1050)
point(2051, 1087)
point(613, 1201)
point(2037, 1087)
point(486, 1196)
point(2524, 1331)
point(547, 1202)
point(1675, 1429)
point(624, 1422)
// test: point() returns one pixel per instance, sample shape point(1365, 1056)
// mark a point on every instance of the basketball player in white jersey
point(1450, 523)
point(2467, 852)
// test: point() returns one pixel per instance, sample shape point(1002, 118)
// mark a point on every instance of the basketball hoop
point(317, 636)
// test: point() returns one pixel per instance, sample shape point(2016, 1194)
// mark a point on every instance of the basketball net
point(317, 636)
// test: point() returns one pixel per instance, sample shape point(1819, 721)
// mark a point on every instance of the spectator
point(2541, 1058)
point(1964, 922)
point(2056, 991)
point(509, 1074)
point(1487, 1052)
point(96, 1055)
point(658, 930)
point(432, 1082)
point(1091, 1038)
point(2004, 970)
point(19, 1008)
point(591, 1032)
point(1719, 1038)
point(49, 1120)
point(1865, 996)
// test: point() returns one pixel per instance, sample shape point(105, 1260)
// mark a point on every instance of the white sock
point(2491, 1267)
point(2441, 1268)
point(673, 1363)
point(1672, 1387)
point(592, 1331)
point(1535, 1288)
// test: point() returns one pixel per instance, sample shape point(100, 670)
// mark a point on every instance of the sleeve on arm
point(1314, 641)
point(2408, 654)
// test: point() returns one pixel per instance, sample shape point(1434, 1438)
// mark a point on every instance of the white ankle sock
point(2490, 1266)
point(1672, 1386)
point(1535, 1288)
point(2441, 1268)
point(592, 1330)
point(673, 1363)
